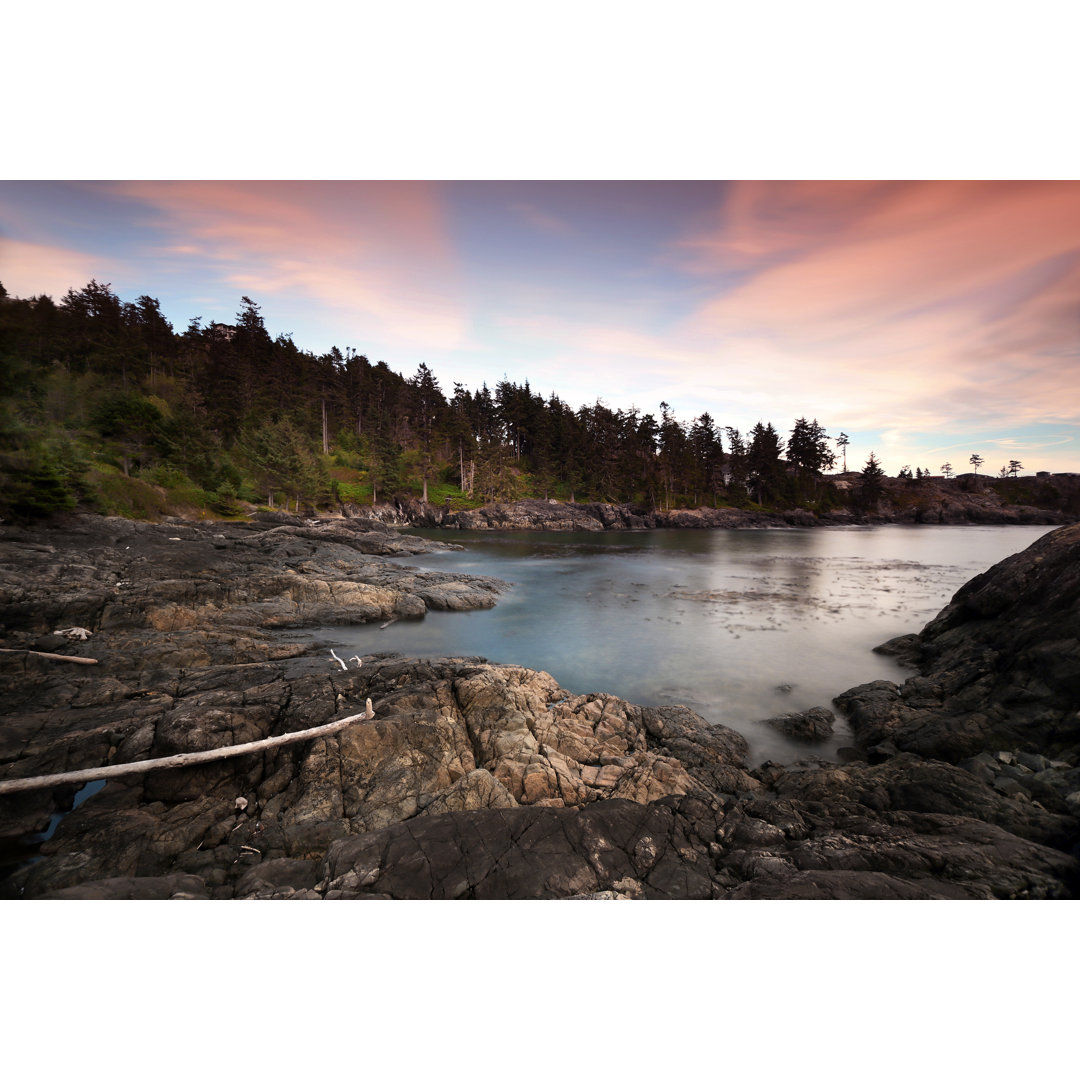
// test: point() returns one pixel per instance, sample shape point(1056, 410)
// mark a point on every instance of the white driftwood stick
point(108, 772)
point(55, 656)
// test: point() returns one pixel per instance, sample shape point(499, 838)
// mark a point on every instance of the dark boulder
point(814, 725)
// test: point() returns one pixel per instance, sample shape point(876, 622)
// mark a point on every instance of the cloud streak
point(961, 294)
point(378, 253)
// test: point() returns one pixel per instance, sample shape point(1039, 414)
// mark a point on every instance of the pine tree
point(427, 401)
point(708, 455)
point(808, 447)
point(843, 442)
point(763, 461)
point(871, 483)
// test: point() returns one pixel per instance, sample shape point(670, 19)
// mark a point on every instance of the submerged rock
point(813, 725)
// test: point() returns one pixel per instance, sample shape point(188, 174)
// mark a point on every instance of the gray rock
point(813, 725)
point(1035, 762)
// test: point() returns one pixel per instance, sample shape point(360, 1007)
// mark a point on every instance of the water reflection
point(738, 625)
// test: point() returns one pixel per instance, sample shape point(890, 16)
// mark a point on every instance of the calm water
point(739, 625)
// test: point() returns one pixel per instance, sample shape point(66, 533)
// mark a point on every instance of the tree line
point(99, 393)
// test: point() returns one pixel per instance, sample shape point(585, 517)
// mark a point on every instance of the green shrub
point(34, 484)
point(126, 496)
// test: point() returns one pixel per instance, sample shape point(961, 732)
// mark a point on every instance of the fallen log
point(55, 656)
point(176, 761)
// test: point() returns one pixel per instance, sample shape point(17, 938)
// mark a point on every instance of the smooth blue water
point(739, 625)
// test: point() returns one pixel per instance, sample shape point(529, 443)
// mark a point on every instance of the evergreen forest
point(105, 406)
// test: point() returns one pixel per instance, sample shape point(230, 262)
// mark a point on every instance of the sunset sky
point(928, 320)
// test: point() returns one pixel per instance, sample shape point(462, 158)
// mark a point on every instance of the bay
point(739, 625)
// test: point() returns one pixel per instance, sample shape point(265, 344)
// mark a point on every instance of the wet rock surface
point(475, 780)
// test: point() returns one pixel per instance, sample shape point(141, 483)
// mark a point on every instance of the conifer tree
point(427, 400)
point(871, 485)
point(763, 460)
point(843, 442)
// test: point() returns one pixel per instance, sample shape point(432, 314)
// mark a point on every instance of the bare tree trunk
point(325, 430)
point(55, 656)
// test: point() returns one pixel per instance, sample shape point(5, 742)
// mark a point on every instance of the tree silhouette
point(808, 447)
point(870, 483)
point(763, 460)
point(427, 399)
point(947, 470)
point(843, 441)
point(976, 460)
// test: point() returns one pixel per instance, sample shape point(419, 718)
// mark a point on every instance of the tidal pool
point(739, 625)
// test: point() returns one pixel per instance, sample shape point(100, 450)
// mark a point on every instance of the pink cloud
point(380, 252)
point(918, 308)
point(960, 292)
point(28, 269)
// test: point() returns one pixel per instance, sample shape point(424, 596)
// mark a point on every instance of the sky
point(928, 320)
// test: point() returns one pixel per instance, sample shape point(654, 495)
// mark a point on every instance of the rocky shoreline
point(934, 506)
point(474, 780)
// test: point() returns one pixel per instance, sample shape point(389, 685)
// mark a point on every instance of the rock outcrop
point(998, 668)
point(540, 515)
point(930, 501)
point(475, 780)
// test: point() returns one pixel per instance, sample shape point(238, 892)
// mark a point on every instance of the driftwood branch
point(55, 656)
point(176, 761)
